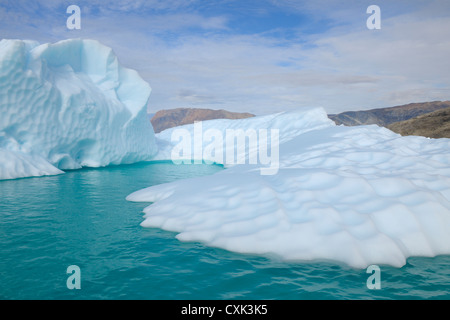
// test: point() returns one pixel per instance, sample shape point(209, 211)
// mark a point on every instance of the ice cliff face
point(68, 105)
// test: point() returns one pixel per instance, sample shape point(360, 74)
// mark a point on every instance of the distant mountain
point(432, 125)
point(165, 119)
point(386, 116)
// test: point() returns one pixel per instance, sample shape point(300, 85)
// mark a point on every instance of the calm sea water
point(82, 218)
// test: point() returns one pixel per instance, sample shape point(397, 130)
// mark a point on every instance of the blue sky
point(261, 56)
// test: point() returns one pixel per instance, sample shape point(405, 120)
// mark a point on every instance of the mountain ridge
point(386, 116)
point(165, 119)
point(408, 119)
point(431, 125)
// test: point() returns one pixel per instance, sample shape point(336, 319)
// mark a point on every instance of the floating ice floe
point(357, 195)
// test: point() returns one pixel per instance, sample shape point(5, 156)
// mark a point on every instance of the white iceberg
point(359, 195)
point(231, 142)
point(69, 105)
point(356, 195)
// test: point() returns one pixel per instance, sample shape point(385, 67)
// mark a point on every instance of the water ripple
point(82, 218)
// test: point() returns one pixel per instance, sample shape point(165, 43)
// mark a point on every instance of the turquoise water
point(82, 218)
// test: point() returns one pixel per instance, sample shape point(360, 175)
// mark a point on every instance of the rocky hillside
point(386, 116)
point(165, 119)
point(432, 125)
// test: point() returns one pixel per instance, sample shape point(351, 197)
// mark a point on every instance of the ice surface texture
point(68, 105)
point(357, 195)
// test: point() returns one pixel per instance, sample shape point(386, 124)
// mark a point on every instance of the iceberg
point(298, 123)
point(354, 195)
point(69, 105)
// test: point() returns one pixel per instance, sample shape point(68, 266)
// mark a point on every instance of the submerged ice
point(68, 105)
point(357, 195)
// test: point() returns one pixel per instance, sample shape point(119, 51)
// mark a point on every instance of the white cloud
point(345, 67)
point(405, 62)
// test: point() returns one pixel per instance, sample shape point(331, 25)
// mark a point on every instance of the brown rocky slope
point(165, 119)
point(386, 116)
point(431, 125)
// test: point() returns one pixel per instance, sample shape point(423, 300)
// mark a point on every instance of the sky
point(260, 56)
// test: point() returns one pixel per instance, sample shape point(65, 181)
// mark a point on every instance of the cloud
point(191, 97)
point(404, 62)
point(197, 53)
